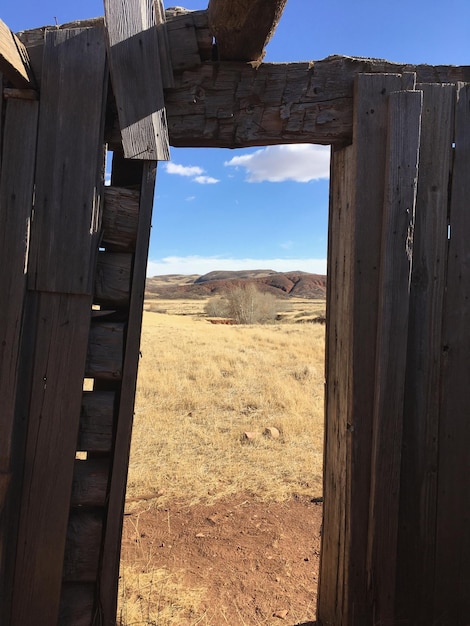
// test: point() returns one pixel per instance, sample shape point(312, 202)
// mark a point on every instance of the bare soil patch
point(252, 562)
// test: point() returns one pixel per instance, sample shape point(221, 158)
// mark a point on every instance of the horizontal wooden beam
point(242, 28)
point(233, 105)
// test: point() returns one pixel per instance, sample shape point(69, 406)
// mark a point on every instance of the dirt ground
point(256, 562)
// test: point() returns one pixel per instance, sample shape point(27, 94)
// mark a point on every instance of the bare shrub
point(245, 304)
point(216, 307)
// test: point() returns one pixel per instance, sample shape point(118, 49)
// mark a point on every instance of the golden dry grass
point(201, 386)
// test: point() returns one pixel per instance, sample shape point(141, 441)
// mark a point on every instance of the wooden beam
point(242, 28)
point(14, 61)
point(230, 105)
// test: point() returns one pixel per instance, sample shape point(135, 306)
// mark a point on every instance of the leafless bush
point(245, 304)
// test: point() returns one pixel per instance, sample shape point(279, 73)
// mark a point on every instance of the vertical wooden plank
point(452, 566)
point(395, 273)
point(70, 144)
point(54, 409)
point(135, 69)
point(356, 370)
point(16, 197)
point(418, 491)
point(163, 45)
point(370, 139)
point(109, 573)
point(333, 564)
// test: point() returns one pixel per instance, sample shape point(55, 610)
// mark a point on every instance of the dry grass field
point(202, 387)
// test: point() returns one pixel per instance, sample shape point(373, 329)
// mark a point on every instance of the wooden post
point(109, 572)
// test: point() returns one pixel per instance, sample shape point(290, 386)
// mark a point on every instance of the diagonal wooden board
point(14, 61)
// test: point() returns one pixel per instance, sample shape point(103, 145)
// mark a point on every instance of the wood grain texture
point(105, 350)
point(90, 482)
point(69, 181)
point(418, 491)
point(82, 556)
point(404, 131)
point(14, 61)
point(242, 28)
point(96, 421)
point(16, 197)
point(189, 38)
point(112, 279)
point(235, 104)
point(137, 78)
point(452, 565)
point(334, 557)
point(16, 201)
point(113, 529)
point(120, 218)
point(59, 354)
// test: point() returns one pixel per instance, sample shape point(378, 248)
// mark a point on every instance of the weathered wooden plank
point(356, 368)
point(76, 604)
point(112, 279)
point(135, 69)
point(54, 408)
point(392, 333)
point(452, 565)
point(82, 553)
point(16, 197)
point(370, 138)
point(120, 218)
point(68, 181)
point(105, 350)
point(242, 28)
point(189, 38)
point(96, 421)
point(113, 531)
point(418, 491)
point(333, 565)
point(14, 61)
point(90, 480)
point(163, 44)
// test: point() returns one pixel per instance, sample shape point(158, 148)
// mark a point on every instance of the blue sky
point(267, 208)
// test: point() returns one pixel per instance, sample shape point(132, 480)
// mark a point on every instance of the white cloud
point(190, 198)
point(201, 265)
point(184, 170)
point(298, 162)
point(286, 245)
point(206, 180)
point(192, 171)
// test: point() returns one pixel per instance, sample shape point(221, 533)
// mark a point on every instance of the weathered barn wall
point(72, 274)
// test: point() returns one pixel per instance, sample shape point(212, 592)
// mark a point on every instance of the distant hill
point(282, 284)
